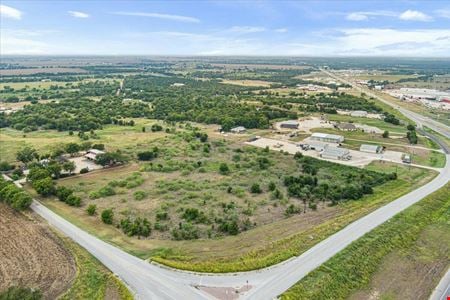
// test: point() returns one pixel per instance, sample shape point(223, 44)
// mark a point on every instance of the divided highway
point(150, 281)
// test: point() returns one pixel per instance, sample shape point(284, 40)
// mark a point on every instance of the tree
point(69, 166)
point(54, 168)
point(224, 169)
point(44, 187)
point(255, 189)
point(91, 209)
point(27, 154)
point(63, 193)
point(72, 148)
point(37, 173)
point(110, 158)
point(107, 216)
point(411, 127)
point(385, 134)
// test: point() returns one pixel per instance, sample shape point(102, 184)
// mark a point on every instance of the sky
point(267, 28)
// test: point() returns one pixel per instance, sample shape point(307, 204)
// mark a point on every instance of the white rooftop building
point(328, 138)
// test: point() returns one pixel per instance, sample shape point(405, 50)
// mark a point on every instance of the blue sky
point(300, 28)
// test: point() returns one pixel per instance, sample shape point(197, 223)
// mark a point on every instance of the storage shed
point(291, 124)
point(336, 153)
point(371, 148)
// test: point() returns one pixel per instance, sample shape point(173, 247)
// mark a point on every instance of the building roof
point(95, 151)
point(327, 136)
point(335, 151)
point(90, 156)
point(238, 128)
point(347, 126)
point(359, 112)
point(369, 148)
point(290, 122)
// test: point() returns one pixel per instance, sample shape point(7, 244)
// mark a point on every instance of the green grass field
point(402, 259)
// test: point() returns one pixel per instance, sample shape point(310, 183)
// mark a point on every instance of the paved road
point(150, 281)
point(442, 291)
point(419, 119)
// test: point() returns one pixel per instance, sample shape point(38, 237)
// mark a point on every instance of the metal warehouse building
point(291, 124)
point(336, 153)
point(371, 148)
point(328, 138)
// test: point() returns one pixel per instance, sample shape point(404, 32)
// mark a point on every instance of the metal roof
point(369, 148)
point(334, 151)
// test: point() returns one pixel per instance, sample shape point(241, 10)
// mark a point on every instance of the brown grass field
point(32, 255)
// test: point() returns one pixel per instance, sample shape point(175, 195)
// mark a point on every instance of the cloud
point(78, 14)
point(23, 41)
point(159, 16)
point(414, 15)
point(443, 13)
point(366, 15)
point(281, 30)
point(357, 17)
point(246, 29)
point(10, 12)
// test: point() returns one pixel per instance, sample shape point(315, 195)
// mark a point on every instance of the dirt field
point(31, 255)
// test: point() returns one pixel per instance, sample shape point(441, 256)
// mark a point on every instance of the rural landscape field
point(191, 174)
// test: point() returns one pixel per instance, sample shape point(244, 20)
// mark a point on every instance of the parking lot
point(358, 158)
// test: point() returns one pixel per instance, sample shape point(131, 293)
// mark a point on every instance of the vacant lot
point(33, 256)
point(261, 246)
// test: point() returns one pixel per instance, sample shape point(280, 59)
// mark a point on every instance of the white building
point(336, 153)
point(327, 138)
point(92, 154)
point(359, 113)
point(291, 124)
point(238, 129)
point(371, 148)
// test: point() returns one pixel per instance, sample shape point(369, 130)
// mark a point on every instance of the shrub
point(73, 200)
point(22, 293)
point(63, 193)
point(5, 166)
point(185, 231)
point(84, 171)
point(138, 226)
point(224, 169)
point(139, 195)
point(385, 134)
point(107, 216)
point(91, 209)
point(255, 189)
point(156, 127)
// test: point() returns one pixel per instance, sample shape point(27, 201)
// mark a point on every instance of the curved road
point(150, 281)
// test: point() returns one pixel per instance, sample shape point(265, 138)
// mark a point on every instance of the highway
point(150, 281)
point(417, 118)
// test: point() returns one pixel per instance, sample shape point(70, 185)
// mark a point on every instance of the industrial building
point(239, 129)
point(336, 153)
point(290, 124)
point(359, 113)
point(371, 148)
point(327, 138)
point(346, 127)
